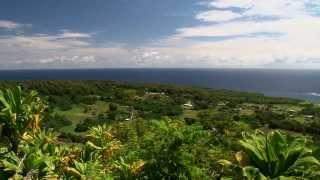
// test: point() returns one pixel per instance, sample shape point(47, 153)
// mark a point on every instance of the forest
point(113, 130)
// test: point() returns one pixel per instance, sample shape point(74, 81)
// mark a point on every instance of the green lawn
point(300, 119)
point(280, 108)
point(190, 113)
point(246, 111)
point(77, 114)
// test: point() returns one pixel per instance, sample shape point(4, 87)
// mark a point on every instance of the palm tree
point(272, 155)
point(19, 112)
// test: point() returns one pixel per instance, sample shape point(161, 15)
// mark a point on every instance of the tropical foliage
point(19, 113)
point(138, 135)
point(273, 156)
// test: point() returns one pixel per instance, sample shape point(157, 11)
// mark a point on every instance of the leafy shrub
point(272, 156)
point(113, 107)
point(56, 122)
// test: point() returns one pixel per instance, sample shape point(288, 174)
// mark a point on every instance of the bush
point(56, 122)
point(65, 106)
point(72, 137)
point(113, 107)
point(85, 125)
point(310, 110)
point(90, 122)
point(189, 120)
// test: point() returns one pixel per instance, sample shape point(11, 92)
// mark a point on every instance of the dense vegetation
point(110, 130)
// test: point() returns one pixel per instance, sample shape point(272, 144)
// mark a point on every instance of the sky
point(42, 34)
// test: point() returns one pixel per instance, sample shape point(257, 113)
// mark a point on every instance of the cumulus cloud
point(217, 15)
point(43, 41)
point(10, 25)
point(66, 49)
point(257, 34)
point(232, 3)
point(275, 33)
point(68, 34)
point(279, 8)
point(151, 57)
point(232, 33)
point(298, 26)
point(71, 59)
point(243, 33)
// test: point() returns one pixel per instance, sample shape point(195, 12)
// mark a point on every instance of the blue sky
point(118, 21)
point(166, 33)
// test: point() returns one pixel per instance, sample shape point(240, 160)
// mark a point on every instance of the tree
point(166, 146)
point(272, 155)
point(19, 113)
point(113, 107)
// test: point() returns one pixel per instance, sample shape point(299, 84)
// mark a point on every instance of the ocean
point(301, 84)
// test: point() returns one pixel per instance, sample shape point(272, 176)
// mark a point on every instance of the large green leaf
point(272, 155)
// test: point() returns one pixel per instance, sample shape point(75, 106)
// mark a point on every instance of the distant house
point(108, 97)
point(255, 107)
point(214, 129)
point(154, 93)
point(138, 97)
point(188, 105)
point(308, 116)
point(95, 97)
point(291, 111)
point(130, 118)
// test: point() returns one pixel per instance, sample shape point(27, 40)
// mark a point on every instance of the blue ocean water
point(303, 84)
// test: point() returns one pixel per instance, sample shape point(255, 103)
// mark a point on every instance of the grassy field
point(190, 113)
point(78, 113)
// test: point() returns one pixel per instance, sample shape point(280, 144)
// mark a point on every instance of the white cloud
point(229, 38)
point(217, 15)
point(298, 26)
point(74, 35)
point(277, 8)
point(9, 24)
point(291, 37)
point(232, 3)
point(67, 49)
point(43, 41)
point(85, 57)
point(68, 59)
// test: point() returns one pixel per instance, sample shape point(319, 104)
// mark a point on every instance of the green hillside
point(111, 130)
